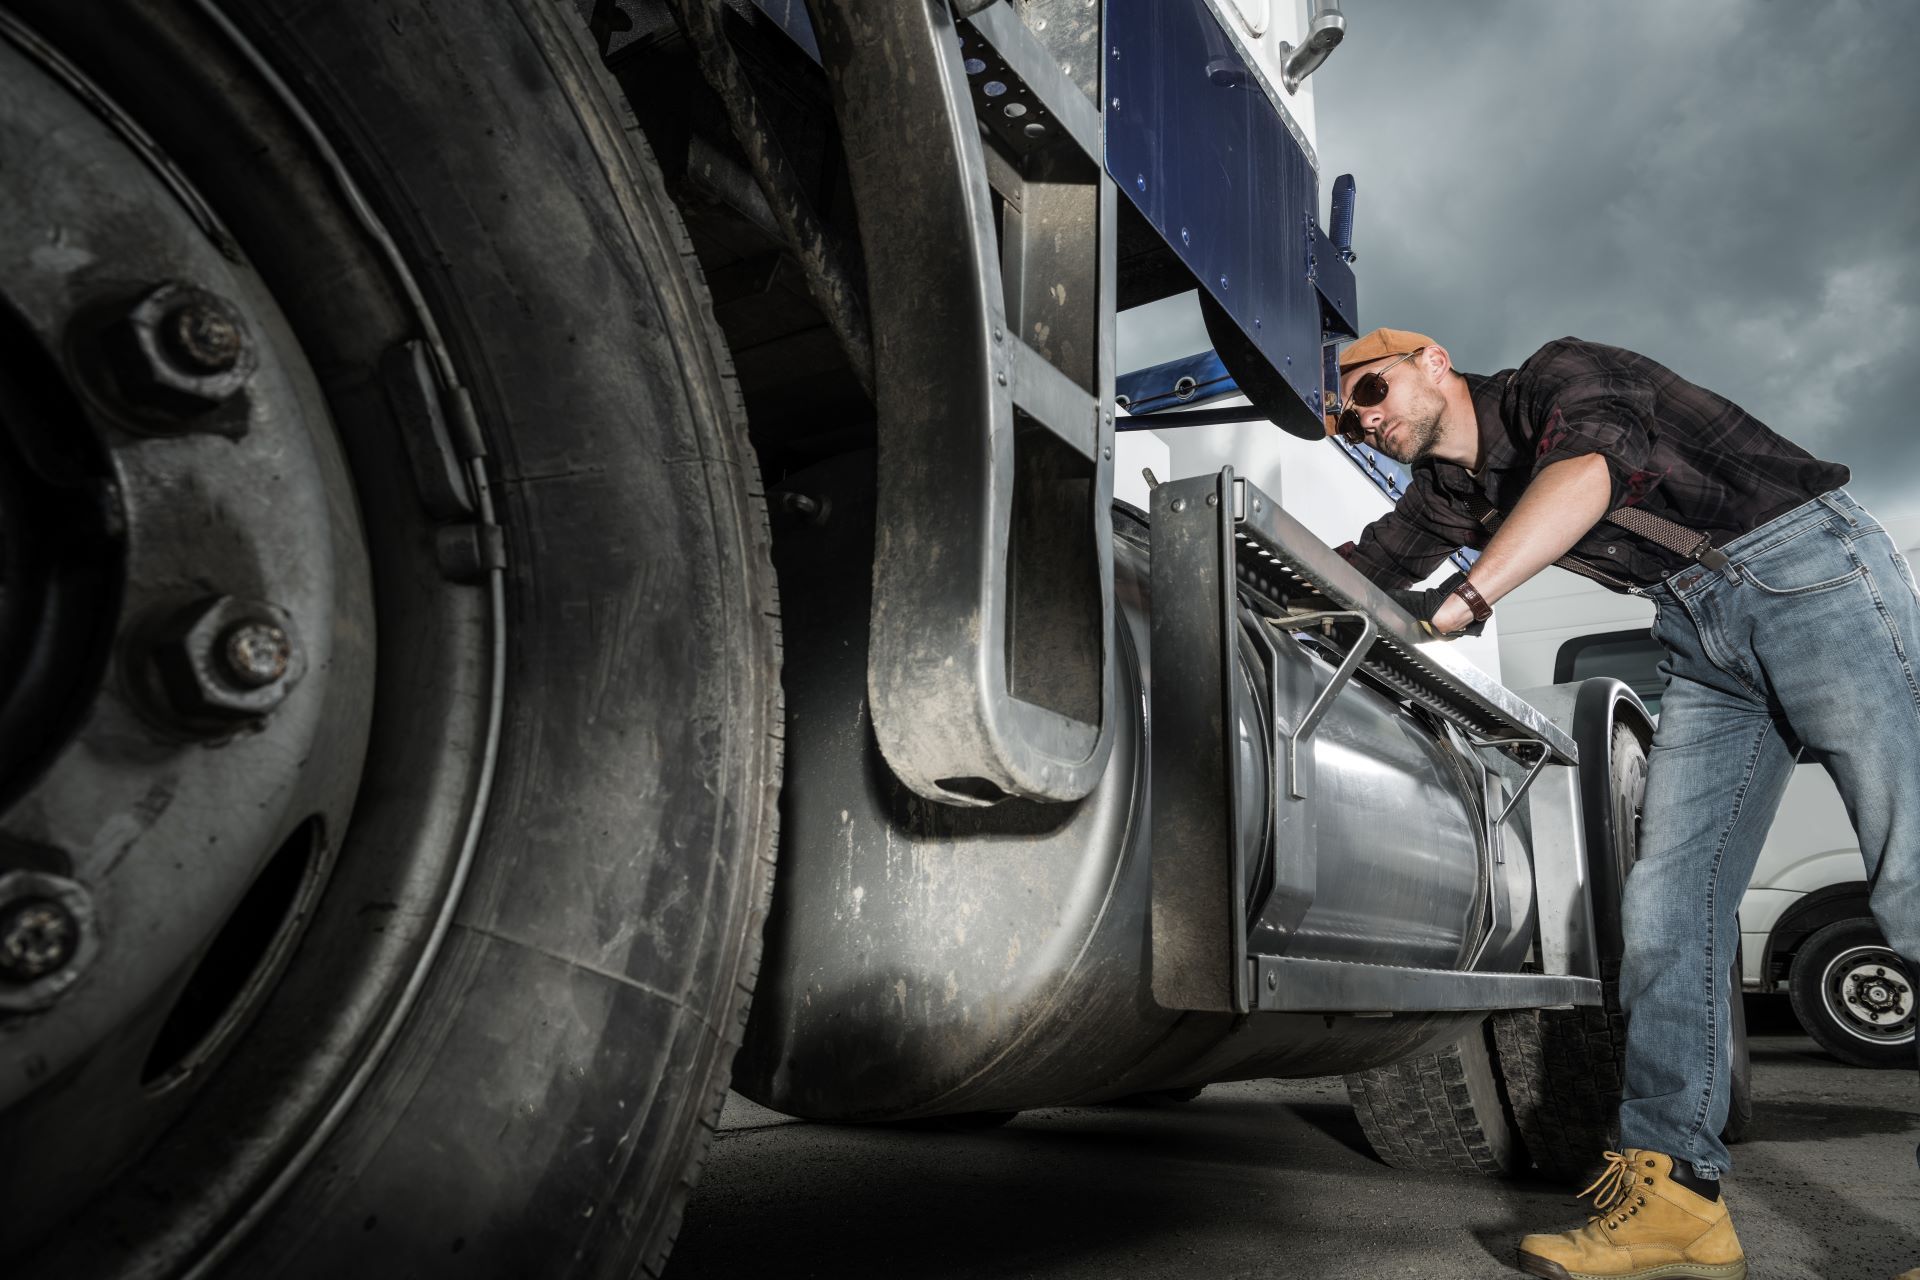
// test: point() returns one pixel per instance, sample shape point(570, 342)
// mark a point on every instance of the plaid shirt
point(1672, 448)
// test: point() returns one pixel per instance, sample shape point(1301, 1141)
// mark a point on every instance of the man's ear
point(1436, 362)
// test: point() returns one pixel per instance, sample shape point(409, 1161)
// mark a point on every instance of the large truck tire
point(1441, 1113)
point(495, 1037)
point(1563, 1069)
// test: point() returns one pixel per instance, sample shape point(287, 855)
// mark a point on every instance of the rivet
point(1107, 454)
point(1213, 499)
point(1179, 504)
point(1115, 104)
point(1140, 181)
point(1000, 376)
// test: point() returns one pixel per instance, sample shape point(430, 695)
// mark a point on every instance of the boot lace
point(1612, 1189)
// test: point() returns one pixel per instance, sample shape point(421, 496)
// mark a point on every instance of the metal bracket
point(1533, 770)
point(1341, 674)
point(1297, 984)
point(993, 585)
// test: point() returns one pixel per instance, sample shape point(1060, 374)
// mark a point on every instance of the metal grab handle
point(1533, 770)
point(1342, 674)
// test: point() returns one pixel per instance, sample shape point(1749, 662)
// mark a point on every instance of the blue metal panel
point(791, 17)
point(1157, 387)
point(1194, 142)
point(1333, 277)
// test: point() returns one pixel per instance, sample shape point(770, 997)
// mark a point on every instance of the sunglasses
point(1369, 391)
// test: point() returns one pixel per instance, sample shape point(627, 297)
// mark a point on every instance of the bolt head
point(1179, 504)
point(176, 354)
point(256, 653)
point(201, 336)
point(38, 936)
point(222, 661)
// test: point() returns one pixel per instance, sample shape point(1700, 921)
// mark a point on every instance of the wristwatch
point(1475, 602)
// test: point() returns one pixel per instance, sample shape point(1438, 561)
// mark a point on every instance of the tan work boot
point(1649, 1228)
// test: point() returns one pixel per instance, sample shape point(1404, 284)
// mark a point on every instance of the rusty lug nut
point(201, 336)
point(256, 653)
point(38, 936)
point(179, 352)
point(224, 660)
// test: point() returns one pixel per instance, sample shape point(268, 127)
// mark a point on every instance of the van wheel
point(469, 961)
point(1854, 995)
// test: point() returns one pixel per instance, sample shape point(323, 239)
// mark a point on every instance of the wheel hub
point(1871, 994)
point(161, 406)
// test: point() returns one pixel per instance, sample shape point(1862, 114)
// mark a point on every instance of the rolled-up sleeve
point(1610, 413)
point(1407, 543)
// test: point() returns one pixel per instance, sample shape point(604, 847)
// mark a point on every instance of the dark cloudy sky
point(1729, 186)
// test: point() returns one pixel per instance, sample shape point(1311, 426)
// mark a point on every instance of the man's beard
point(1418, 434)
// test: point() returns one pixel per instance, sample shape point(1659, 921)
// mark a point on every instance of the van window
point(1631, 657)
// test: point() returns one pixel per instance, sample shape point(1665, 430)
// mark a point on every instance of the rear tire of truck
point(510, 1063)
point(1563, 1068)
point(1442, 1113)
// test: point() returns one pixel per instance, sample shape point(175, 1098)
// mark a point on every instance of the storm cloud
point(1729, 186)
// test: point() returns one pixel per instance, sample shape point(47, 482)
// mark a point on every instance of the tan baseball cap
point(1377, 345)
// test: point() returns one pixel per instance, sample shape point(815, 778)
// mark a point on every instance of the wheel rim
point(281, 668)
point(1869, 995)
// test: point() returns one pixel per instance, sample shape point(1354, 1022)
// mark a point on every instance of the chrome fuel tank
point(923, 959)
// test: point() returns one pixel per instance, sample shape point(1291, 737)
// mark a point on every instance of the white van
point(1804, 922)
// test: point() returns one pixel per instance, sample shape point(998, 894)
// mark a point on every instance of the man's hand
point(1429, 607)
point(1454, 616)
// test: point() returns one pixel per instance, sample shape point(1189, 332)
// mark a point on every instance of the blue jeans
point(1808, 638)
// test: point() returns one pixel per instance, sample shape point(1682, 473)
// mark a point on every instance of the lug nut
point(256, 653)
point(224, 660)
point(178, 353)
point(38, 936)
point(201, 336)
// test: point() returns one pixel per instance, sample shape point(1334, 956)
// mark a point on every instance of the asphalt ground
point(1271, 1178)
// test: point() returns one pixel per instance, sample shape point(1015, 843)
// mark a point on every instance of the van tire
point(1815, 1006)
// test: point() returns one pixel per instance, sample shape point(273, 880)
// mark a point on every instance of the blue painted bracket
point(1191, 380)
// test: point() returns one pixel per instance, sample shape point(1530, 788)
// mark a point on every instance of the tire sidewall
point(544, 1107)
point(1804, 987)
